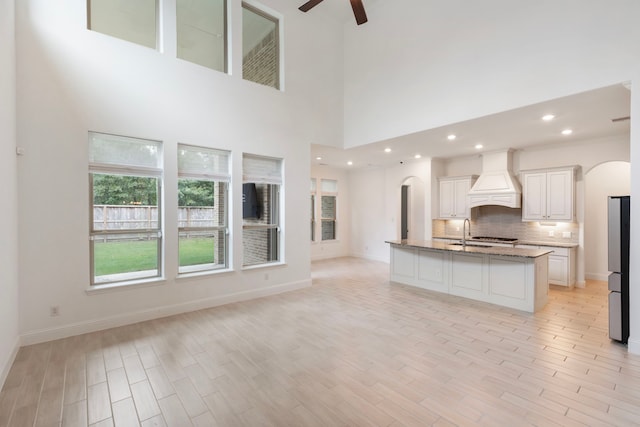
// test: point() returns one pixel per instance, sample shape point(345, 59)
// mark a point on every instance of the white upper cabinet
point(548, 195)
point(453, 197)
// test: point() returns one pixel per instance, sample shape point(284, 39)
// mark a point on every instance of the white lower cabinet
point(562, 264)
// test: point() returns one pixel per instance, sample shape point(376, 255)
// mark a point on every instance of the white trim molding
point(43, 335)
point(633, 345)
point(6, 366)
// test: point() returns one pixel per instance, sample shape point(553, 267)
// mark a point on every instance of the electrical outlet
point(566, 234)
point(552, 233)
point(54, 311)
point(457, 228)
point(266, 276)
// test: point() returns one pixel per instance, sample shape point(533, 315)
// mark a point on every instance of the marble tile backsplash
point(498, 221)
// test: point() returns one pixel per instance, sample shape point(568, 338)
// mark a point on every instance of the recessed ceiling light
point(451, 137)
point(387, 150)
point(567, 132)
point(417, 156)
point(318, 158)
point(548, 117)
point(479, 146)
point(349, 162)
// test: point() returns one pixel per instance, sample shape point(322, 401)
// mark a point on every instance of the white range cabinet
point(506, 276)
point(453, 196)
point(548, 195)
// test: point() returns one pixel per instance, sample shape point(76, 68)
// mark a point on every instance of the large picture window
point(203, 185)
point(134, 21)
point(125, 181)
point(202, 33)
point(261, 198)
point(260, 47)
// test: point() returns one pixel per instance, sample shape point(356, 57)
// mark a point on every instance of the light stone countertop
point(519, 242)
point(471, 248)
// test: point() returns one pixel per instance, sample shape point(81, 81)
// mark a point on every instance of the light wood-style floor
point(351, 350)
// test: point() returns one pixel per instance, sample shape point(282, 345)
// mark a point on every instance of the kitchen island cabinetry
point(548, 195)
point(453, 196)
point(509, 277)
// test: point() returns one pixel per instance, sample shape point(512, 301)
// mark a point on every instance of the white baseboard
point(49, 334)
point(633, 345)
point(370, 257)
point(603, 277)
point(6, 366)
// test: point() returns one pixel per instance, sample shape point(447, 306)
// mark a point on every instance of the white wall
point(339, 247)
point(428, 64)
point(375, 206)
point(71, 80)
point(606, 179)
point(8, 194)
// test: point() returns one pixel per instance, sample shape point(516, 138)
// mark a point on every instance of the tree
point(195, 193)
point(124, 190)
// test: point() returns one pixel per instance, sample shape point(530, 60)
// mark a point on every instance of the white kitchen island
point(510, 277)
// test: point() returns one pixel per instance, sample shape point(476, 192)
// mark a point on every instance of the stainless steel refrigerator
point(619, 217)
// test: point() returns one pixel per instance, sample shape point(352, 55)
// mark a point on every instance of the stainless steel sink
point(473, 245)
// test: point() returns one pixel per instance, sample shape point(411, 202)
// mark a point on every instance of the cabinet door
point(534, 203)
point(558, 269)
point(461, 207)
point(560, 195)
point(447, 198)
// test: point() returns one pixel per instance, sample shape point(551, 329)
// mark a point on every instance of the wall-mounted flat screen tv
point(250, 205)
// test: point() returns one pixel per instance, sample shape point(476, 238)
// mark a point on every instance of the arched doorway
point(601, 181)
point(412, 193)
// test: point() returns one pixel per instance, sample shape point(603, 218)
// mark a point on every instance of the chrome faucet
point(464, 231)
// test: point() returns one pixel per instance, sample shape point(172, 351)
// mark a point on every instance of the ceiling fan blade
point(358, 11)
point(309, 5)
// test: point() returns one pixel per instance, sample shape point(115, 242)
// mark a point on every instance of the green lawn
point(127, 257)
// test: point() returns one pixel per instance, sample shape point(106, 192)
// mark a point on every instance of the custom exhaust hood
point(496, 185)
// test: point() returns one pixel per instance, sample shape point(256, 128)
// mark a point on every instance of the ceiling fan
point(356, 5)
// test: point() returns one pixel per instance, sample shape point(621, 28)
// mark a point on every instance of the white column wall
point(72, 80)
point(634, 269)
point(9, 339)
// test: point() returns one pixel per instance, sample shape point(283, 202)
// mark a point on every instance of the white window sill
point(123, 286)
point(196, 274)
point(259, 266)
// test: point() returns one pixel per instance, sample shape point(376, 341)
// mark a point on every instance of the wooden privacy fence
point(138, 217)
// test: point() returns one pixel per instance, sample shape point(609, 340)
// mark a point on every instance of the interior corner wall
point(71, 80)
point(9, 338)
point(341, 246)
point(431, 64)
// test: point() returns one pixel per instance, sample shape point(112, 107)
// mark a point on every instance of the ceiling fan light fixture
point(357, 6)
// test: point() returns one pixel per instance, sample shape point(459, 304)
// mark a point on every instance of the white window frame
point(112, 168)
point(276, 182)
point(157, 27)
point(314, 200)
point(215, 176)
point(329, 193)
point(277, 18)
